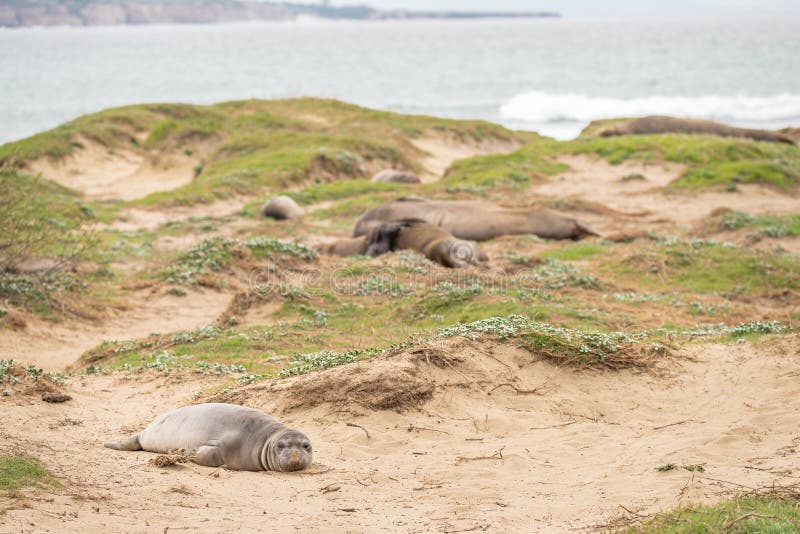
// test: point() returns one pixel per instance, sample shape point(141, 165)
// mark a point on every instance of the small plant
point(176, 291)
point(263, 246)
point(18, 472)
point(315, 361)
point(694, 467)
point(212, 255)
point(516, 258)
point(555, 274)
point(5, 369)
point(691, 467)
point(757, 328)
point(381, 285)
point(193, 336)
point(70, 422)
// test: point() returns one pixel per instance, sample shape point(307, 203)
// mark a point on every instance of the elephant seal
point(240, 438)
point(355, 246)
point(379, 240)
point(474, 221)
point(396, 177)
point(431, 241)
point(657, 124)
point(281, 208)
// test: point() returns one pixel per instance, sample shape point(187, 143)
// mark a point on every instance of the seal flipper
point(209, 456)
point(130, 444)
point(583, 230)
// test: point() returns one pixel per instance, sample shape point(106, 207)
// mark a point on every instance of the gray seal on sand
point(217, 434)
point(281, 208)
point(397, 177)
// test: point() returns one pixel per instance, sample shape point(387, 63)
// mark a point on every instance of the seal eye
point(281, 446)
point(306, 446)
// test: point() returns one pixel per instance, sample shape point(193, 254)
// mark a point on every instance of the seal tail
point(130, 444)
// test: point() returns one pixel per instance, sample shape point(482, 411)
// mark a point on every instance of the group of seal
point(441, 230)
point(216, 434)
point(433, 242)
point(475, 220)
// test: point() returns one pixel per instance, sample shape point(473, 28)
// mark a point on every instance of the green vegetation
point(254, 146)
point(703, 266)
point(213, 255)
point(516, 170)
point(42, 233)
point(19, 472)
point(279, 349)
point(322, 152)
point(766, 514)
point(767, 225)
point(711, 161)
point(40, 219)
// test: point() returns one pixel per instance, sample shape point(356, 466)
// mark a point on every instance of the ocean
point(548, 75)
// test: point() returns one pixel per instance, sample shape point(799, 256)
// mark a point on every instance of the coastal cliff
point(18, 13)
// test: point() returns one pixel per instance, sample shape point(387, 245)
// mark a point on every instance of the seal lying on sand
point(660, 125)
point(281, 208)
point(475, 221)
point(240, 438)
point(396, 177)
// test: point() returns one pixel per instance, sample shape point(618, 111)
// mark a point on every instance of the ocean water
point(551, 76)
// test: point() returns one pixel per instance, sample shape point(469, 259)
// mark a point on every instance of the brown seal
point(658, 124)
point(431, 241)
point(474, 221)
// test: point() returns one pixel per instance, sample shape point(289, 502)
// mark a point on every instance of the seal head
point(289, 450)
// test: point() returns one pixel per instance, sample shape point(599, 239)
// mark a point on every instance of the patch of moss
point(577, 251)
point(769, 225)
point(19, 472)
point(516, 170)
point(771, 173)
point(768, 514)
point(705, 267)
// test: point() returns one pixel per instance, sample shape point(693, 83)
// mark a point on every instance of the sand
point(55, 346)
point(119, 174)
point(594, 180)
point(443, 151)
point(580, 454)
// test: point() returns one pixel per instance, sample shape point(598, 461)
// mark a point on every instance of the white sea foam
point(540, 107)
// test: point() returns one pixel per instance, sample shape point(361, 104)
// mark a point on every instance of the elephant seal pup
point(474, 221)
point(431, 241)
point(396, 177)
point(281, 208)
point(657, 124)
point(379, 240)
point(355, 246)
point(240, 438)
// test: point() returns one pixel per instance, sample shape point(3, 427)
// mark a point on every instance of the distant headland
point(19, 13)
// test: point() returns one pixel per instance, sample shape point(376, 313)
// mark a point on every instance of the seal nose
point(295, 462)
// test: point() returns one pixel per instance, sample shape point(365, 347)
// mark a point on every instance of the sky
point(602, 8)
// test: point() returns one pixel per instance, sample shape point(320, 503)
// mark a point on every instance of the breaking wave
point(540, 107)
